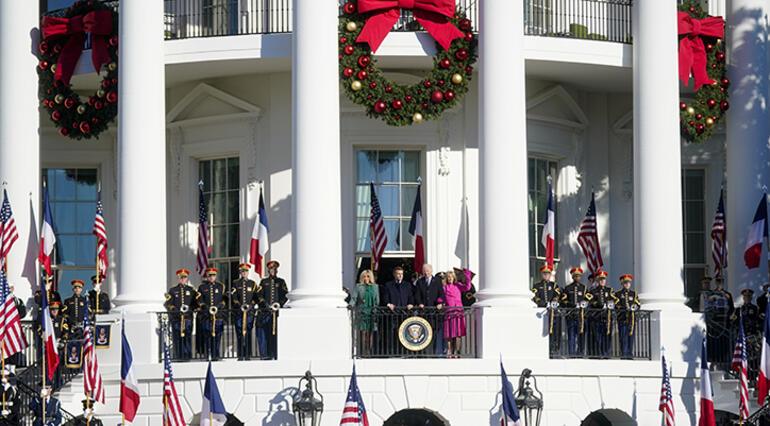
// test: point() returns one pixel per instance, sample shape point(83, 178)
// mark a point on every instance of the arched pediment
point(556, 106)
point(206, 103)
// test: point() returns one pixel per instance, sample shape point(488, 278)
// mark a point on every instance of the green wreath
point(396, 104)
point(70, 114)
point(699, 116)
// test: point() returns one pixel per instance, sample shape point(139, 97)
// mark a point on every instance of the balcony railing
point(606, 20)
point(385, 333)
point(599, 333)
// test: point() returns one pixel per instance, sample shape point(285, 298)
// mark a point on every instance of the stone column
point(658, 254)
point(141, 156)
point(19, 137)
point(316, 317)
point(748, 133)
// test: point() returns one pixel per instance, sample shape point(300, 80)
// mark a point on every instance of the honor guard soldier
point(74, 309)
point(762, 301)
point(181, 301)
point(719, 313)
point(52, 409)
point(575, 298)
point(88, 417)
point(627, 305)
point(272, 296)
point(705, 291)
point(749, 313)
point(603, 300)
point(53, 295)
point(10, 411)
point(212, 301)
point(99, 301)
point(243, 298)
point(545, 290)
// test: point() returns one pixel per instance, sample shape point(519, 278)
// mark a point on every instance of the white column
point(658, 255)
point(748, 134)
point(316, 223)
point(19, 137)
point(504, 245)
point(141, 158)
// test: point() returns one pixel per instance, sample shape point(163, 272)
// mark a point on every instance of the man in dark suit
point(429, 293)
point(396, 294)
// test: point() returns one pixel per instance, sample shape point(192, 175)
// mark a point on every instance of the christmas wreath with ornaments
point(702, 55)
point(63, 41)
point(363, 25)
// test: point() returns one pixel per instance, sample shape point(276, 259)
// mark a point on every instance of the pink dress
point(454, 319)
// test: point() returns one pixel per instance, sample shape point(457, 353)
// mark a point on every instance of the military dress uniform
point(272, 295)
point(52, 412)
point(575, 297)
point(98, 301)
point(243, 298)
point(719, 311)
point(544, 293)
point(212, 302)
point(749, 314)
point(74, 310)
point(10, 414)
point(602, 302)
point(626, 306)
point(180, 303)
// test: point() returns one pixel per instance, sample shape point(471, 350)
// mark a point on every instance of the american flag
point(719, 239)
point(354, 412)
point(172, 409)
point(379, 239)
point(741, 365)
point(8, 232)
point(100, 231)
point(203, 232)
point(92, 378)
point(12, 337)
point(666, 400)
point(588, 238)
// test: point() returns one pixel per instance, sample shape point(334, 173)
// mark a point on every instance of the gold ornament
point(100, 93)
point(351, 26)
point(81, 109)
point(112, 66)
point(356, 85)
point(457, 78)
point(709, 122)
point(417, 118)
point(690, 110)
point(58, 99)
point(53, 68)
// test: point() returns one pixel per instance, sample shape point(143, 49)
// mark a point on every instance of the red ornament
point(64, 131)
point(43, 65)
point(42, 47)
point(348, 50)
point(444, 63)
point(69, 103)
point(347, 72)
point(364, 60)
point(461, 54)
point(692, 9)
point(408, 98)
point(724, 105)
point(699, 116)
point(424, 105)
point(691, 123)
point(369, 97)
point(373, 85)
point(84, 127)
point(98, 105)
point(397, 104)
point(114, 41)
point(449, 95)
point(711, 102)
point(468, 70)
point(436, 96)
point(94, 120)
point(427, 83)
point(468, 37)
point(105, 84)
point(682, 106)
point(57, 48)
point(343, 40)
point(388, 89)
point(112, 96)
point(114, 81)
point(464, 24)
point(55, 116)
point(441, 82)
point(362, 75)
point(699, 128)
point(725, 82)
point(720, 56)
point(339, 57)
point(91, 100)
point(379, 107)
point(709, 47)
point(349, 8)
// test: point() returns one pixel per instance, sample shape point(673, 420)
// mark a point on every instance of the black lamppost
point(529, 400)
point(307, 408)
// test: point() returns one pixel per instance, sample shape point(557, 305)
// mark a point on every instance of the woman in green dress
point(364, 298)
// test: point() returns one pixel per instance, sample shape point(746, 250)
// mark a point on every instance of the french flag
point(509, 412)
point(763, 381)
point(49, 337)
point(415, 230)
point(213, 412)
point(129, 387)
point(707, 417)
point(259, 240)
point(549, 229)
point(757, 234)
point(47, 235)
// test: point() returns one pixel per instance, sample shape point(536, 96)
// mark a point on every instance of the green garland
point(698, 117)
point(400, 105)
point(73, 117)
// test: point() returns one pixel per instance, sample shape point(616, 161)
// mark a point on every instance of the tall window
point(221, 187)
point(538, 172)
point(395, 175)
point(694, 226)
point(72, 194)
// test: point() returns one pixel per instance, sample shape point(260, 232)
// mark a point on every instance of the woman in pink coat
point(454, 319)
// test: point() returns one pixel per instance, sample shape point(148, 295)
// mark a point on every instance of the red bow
point(98, 23)
point(692, 53)
point(433, 15)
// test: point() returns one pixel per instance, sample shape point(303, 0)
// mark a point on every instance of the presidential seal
point(415, 333)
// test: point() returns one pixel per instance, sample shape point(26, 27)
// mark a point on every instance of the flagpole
point(261, 258)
